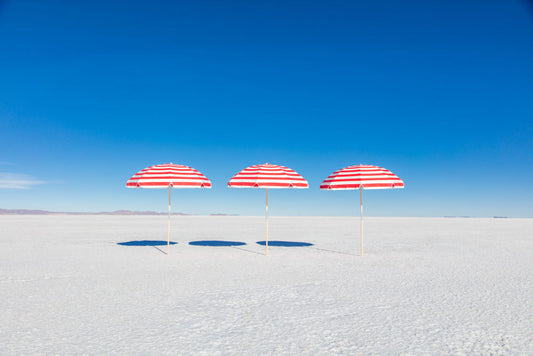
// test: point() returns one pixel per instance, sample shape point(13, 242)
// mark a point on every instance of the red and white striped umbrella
point(362, 177)
point(370, 177)
point(168, 175)
point(267, 176)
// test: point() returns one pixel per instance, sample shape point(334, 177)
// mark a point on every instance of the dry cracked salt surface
point(100, 285)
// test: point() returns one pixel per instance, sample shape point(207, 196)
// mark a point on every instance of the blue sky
point(439, 92)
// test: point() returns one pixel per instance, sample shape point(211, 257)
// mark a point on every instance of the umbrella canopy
point(370, 177)
point(168, 175)
point(361, 177)
point(267, 176)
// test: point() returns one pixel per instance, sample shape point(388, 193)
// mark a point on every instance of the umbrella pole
point(168, 225)
point(361, 196)
point(266, 223)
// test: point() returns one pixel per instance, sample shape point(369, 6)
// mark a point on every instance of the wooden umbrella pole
point(266, 223)
point(361, 196)
point(168, 225)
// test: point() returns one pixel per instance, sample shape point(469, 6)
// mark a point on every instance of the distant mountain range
point(116, 212)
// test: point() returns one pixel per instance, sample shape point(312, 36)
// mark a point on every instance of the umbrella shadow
point(152, 243)
point(285, 243)
point(216, 243)
point(219, 243)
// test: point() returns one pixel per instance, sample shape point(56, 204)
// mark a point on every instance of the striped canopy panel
point(165, 175)
point(370, 177)
point(267, 176)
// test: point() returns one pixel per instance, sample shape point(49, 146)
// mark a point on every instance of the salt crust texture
point(425, 286)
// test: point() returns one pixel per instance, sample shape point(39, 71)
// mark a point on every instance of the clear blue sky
point(439, 92)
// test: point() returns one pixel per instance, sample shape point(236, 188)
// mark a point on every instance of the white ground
point(425, 286)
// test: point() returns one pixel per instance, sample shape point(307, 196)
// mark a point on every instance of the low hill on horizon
point(47, 212)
